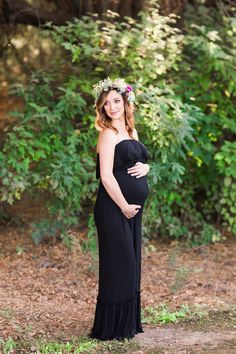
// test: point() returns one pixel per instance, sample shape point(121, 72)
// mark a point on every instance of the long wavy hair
point(104, 121)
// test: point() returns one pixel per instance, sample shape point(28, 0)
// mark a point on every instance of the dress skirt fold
point(117, 321)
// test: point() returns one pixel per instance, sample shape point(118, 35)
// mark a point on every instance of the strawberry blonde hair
point(104, 121)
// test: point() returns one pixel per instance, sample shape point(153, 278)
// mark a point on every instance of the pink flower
point(129, 88)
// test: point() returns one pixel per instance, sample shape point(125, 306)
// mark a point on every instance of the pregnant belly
point(135, 190)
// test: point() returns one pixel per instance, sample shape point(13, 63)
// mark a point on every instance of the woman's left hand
point(139, 169)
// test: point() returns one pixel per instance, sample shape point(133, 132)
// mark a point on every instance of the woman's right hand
point(131, 210)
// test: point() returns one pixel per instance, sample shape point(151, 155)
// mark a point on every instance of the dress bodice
point(127, 153)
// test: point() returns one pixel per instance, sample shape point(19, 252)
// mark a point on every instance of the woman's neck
point(119, 124)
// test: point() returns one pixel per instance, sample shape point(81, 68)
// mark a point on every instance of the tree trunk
point(12, 12)
point(20, 11)
point(172, 6)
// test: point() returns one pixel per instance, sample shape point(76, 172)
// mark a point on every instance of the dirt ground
point(49, 291)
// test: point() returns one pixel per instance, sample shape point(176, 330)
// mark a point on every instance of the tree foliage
point(210, 81)
point(185, 88)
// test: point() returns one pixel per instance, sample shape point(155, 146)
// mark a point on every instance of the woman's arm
point(107, 142)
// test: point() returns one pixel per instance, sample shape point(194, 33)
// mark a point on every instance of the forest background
point(179, 56)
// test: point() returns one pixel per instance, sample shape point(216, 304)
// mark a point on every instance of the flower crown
point(118, 84)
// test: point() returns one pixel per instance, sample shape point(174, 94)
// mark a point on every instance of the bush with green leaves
point(184, 111)
point(207, 78)
point(49, 151)
point(185, 88)
point(226, 163)
point(152, 45)
point(144, 49)
point(51, 148)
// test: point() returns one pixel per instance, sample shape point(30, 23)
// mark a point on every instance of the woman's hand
point(131, 210)
point(139, 169)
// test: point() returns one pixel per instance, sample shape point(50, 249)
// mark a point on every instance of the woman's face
point(114, 105)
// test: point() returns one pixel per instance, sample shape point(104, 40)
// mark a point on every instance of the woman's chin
point(116, 116)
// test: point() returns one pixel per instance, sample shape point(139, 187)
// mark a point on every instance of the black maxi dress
point(118, 310)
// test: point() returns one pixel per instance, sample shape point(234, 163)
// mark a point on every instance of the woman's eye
point(117, 101)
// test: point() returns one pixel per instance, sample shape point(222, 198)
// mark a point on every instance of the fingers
point(130, 216)
point(134, 169)
point(136, 173)
point(134, 209)
point(138, 170)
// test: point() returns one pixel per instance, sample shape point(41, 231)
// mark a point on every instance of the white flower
point(118, 84)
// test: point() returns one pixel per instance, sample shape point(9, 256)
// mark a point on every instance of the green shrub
point(226, 163)
point(207, 78)
point(185, 88)
point(49, 151)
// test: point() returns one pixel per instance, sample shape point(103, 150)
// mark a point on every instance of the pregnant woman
point(122, 168)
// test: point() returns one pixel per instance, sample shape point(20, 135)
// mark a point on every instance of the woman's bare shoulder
point(135, 134)
point(106, 136)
